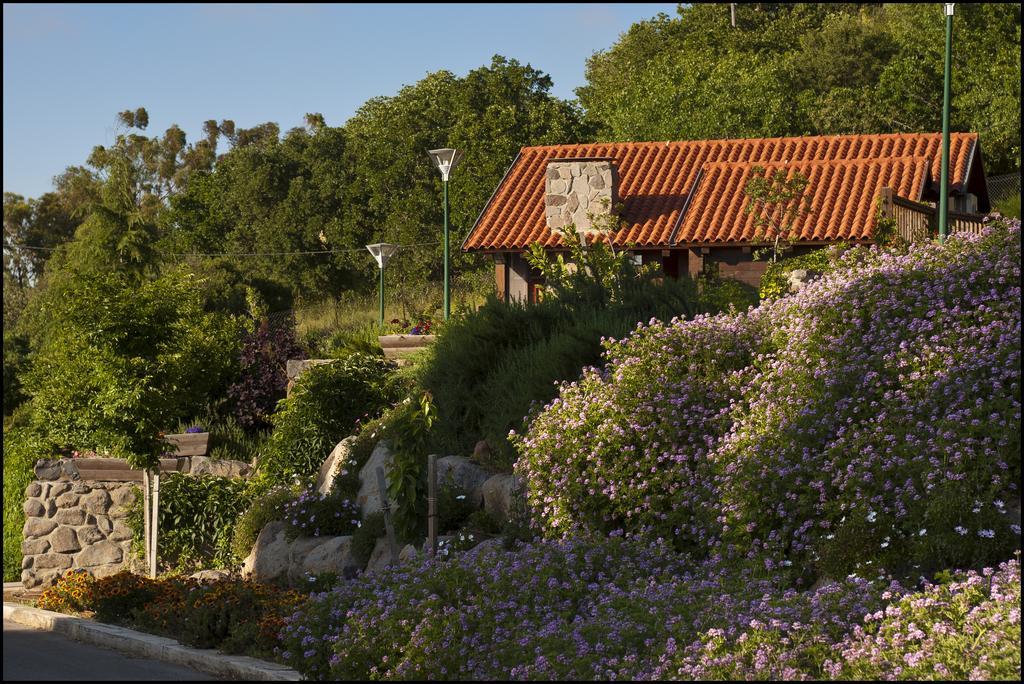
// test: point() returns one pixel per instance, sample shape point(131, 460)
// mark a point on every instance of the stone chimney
point(575, 189)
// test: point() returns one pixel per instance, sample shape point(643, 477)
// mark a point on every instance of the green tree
point(804, 69)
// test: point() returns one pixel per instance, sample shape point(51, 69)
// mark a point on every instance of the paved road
point(31, 654)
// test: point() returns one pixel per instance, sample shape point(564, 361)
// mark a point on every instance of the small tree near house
point(777, 203)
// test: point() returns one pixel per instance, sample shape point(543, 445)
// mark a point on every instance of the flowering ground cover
point(872, 418)
point(619, 608)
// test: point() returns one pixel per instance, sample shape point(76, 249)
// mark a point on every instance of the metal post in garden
point(445, 159)
point(382, 252)
point(944, 171)
point(432, 504)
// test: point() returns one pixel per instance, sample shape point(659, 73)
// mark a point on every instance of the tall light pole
point(382, 252)
point(445, 159)
point(944, 183)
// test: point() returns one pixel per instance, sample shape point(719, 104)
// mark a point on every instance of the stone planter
point(403, 346)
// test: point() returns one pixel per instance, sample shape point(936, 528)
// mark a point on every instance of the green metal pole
point(382, 292)
point(447, 303)
point(944, 184)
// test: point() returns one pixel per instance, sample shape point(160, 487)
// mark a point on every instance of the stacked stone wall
point(75, 525)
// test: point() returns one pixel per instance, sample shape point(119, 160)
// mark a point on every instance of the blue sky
point(68, 69)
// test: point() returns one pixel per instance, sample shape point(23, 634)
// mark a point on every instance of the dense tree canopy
point(808, 69)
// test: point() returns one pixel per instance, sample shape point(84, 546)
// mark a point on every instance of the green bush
point(262, 509)
point(324, 407)
point(487, 368)
point(22, 447)
point(197, 514)
point(722, 294)
point(775, 281)
point(364, 539)
point(15, 365)
point(119, 361)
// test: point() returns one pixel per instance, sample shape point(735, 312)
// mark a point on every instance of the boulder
point(380, 558)
point(368, 498)
point(481, 452)
point(119, 531)
point(36, 490)
point(67, 500)
point(499, 493)
point(408, 554)
point(64, 540)
point(464, 474)
point(122, 496)
point(333, 554)
point(333, 465)
point(269, 557)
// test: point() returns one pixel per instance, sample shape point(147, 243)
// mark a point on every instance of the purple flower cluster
point(608, 609)
point(872, 418)
point(312, 514)
point(195, 429)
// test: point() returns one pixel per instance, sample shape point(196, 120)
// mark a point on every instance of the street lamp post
point(445, 159)
point(382, 252)
point(944, 171)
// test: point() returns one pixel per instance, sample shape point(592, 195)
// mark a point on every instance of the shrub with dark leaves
point(263, 375)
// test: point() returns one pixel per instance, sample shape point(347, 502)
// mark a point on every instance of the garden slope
point(873, 417)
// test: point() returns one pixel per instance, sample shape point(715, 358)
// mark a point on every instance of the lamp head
point(445, 159)
point(382, 252)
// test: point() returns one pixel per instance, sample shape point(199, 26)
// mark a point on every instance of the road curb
point(149, 646)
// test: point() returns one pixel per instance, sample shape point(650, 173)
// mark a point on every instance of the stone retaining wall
point(75, 525)
point(72, 522)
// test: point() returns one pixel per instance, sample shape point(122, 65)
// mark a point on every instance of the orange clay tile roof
point(846, 173)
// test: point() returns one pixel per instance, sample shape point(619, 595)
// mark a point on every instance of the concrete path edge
point(149, 646)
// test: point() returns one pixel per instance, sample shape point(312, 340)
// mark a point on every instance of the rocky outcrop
point(368, 499)
point(464, 474)
point(338, 458)
point(275, 558)
point(500, 494)
point(220, 467)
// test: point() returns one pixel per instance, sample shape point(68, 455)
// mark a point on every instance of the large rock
point(46, 469)
point(269, 557)
point(368, 498)
point(220, 467)
point(70, 516)
point(36, 490)
point(499, 493)
point(32, 547)
point(52, 560)
point(484, 547)
point(380, 558)
point(464, 474)
point(89, 534)
point(104, 553)
point(334, 554)
point(333, 465)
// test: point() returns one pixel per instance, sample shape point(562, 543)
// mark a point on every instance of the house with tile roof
point(682, 204)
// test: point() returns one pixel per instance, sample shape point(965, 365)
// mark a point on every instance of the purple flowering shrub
point(873, 417)
point(568, 609)
point(312, 514)
point(968, 629)
point(630, 445)
point(885, 424)
point(263, 376)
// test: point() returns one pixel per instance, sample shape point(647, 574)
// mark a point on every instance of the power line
point(233, 254)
